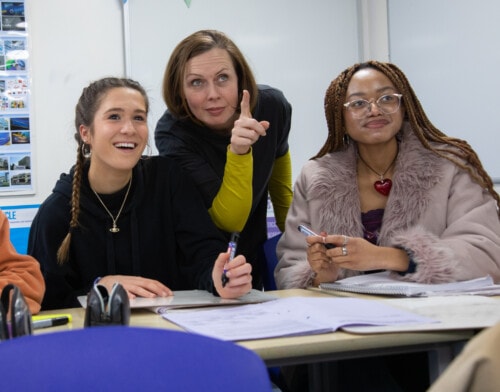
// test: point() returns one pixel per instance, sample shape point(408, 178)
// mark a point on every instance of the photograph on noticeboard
point(15, 127)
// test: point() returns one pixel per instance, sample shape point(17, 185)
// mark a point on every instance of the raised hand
point(246, 130)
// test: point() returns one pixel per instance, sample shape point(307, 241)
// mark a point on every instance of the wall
point(295, 45)
point(290, 44)
point(449, 51)
point(71, 43)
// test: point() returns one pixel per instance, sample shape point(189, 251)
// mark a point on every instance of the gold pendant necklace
point(115, 228)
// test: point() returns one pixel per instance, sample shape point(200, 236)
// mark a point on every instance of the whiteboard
point(295, 45)
point(450, 52)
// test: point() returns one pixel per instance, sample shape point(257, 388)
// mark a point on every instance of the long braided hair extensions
point(460, 153)
point(85, 111)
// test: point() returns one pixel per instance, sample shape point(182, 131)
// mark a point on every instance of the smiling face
point(211, 89)
point(376, 127)
point(118, 133)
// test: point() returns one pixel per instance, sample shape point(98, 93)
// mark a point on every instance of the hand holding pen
point(308, 232)
point(232, 275)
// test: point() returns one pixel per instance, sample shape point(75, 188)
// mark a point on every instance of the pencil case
point(103, 309)
point(13, 304)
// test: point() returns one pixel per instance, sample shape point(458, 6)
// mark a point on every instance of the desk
point(311, 349)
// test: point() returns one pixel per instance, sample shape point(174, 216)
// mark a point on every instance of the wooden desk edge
point(302, 349)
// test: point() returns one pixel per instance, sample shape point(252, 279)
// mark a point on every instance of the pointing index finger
point(245, 105)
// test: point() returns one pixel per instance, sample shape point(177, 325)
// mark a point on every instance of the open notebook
point(384, 284)
point(292, 316)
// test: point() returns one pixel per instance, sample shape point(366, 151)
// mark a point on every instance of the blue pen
point(307, 231)
point(233, 244)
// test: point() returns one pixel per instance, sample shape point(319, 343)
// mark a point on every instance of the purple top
point(372, 222)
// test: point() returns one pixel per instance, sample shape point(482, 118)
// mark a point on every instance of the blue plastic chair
point(129, 359)
point(270, 260)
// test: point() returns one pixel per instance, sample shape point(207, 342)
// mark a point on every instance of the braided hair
point(86, 108)
point(460, 154)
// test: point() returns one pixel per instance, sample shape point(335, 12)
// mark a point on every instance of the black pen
point(50, 322)
point(233, 244)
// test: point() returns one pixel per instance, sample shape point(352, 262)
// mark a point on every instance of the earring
point(86, 151)
point(346, 140)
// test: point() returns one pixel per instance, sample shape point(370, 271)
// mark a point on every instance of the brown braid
point(63, 251)
point(85, 111)
point(460, 154)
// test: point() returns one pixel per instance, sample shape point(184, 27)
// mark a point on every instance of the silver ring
point(344, 251)
point(345, 240)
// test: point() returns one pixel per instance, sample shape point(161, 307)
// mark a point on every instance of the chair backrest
point(476, 368)
point(129, 359)
point(270, 260)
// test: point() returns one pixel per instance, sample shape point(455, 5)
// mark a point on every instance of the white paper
point(453, 312)
point(386, 284)
point(290, 316)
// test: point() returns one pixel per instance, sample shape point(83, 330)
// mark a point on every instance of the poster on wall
point(15, 130)
point(20, 218)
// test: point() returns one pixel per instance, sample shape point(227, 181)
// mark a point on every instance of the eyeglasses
point(387, 104)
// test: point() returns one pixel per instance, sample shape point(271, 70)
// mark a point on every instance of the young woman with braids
point(120, 217)
point(390, 191)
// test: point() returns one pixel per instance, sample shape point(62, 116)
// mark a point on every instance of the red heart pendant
point(383, 186)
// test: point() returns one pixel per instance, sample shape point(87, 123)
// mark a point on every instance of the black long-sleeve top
point(202, 154)
point(165, 234)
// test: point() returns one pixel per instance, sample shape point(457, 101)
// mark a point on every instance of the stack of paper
point(453, 312)
point(385, 284)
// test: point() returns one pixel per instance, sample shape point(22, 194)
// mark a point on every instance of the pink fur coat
point(435, 210)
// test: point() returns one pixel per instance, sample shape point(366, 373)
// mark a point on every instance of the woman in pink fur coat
point(390, 191)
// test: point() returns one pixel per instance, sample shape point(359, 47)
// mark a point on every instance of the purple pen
point(233, 244)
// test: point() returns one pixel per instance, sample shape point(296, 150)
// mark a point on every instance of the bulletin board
point(15, 130)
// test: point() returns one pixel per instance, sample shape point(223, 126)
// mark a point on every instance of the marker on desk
point(233, 243)
point(50, 321)
point(52, 315)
